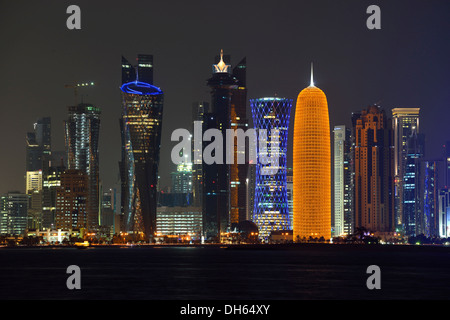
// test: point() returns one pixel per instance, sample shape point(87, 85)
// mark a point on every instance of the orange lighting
point(312, 166)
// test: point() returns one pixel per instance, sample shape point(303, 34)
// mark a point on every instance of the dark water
point(187, 273)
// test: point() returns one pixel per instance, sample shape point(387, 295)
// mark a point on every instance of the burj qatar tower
point(312, 166)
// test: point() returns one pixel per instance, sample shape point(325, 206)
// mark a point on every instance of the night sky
point(405, 64)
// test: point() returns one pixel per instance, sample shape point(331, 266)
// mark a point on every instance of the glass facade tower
point(81, 137)
point(343, 181)
point(271, 207)
point(141, 141)
point(404, 122)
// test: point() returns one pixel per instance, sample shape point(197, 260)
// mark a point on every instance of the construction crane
point(76, 86)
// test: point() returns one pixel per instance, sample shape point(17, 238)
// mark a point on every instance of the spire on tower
point(311, 84)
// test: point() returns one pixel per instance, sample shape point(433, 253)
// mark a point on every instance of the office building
point(444, 213)
point(404, 122)
point(179, 221)
point(374, 171)
point(343, 181)
point(182, 178)
point(312, 165)
point(412, 194)
point(82, 129)
point(199, 109)
point(13, 213)
point(224, 185)
point(38, 149)
point(72, 198)
point(141, 142)
point(271, 207)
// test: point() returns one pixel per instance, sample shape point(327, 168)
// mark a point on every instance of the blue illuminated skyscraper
point(271, 207)
point(141, 138)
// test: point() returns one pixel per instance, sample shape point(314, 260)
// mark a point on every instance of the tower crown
point(221, 67)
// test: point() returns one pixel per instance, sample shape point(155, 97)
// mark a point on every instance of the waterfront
point(310, 271)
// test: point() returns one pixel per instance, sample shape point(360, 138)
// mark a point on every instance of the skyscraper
point(430, 227)
point(51, 184)
point(271, 207)
point(412, 196)
point(141, 141)
point(447, 163)
point(444, 213)
point(312, 165)
point(198, 111)
point(404, 122)
point(39, 145)
point(343, 181)
point(374, 171)
point(14, 208)
point(82, 130)
point(72, 200)
point(182, 178)
point(34, 190)
point(224, 185)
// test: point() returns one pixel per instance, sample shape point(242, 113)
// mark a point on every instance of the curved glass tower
point(312, 166)
point(141, 137)
point(271, 207)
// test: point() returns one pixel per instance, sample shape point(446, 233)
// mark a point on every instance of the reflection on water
point(309, 272)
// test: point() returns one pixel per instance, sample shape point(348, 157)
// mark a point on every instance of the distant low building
point(179, 221)
point(281, 236)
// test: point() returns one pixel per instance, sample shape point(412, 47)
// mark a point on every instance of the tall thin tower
point(141, 141)
point(312, 165)
point(82, 130)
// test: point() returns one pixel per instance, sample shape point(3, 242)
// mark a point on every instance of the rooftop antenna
point(311, 84)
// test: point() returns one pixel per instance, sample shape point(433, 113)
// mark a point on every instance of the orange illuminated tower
point(312, 166)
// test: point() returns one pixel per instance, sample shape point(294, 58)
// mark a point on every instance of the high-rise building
point(142, 71)
point(271, 207)
point(238, 120)
point(404, 122)
point(108, 208)
point(411, 186)
point(34, 190)
point(250, 182)
point(374, 171)
point(447, 163)
point(4, 216)
point(182, 178)
point(224, 185)
point(430, 224)
point(290, 194)
point(14, 213)
point(312, 165)
point(343, 181)
point(82, 130)
point(199, 109)
point(50, 185)
point(39, 145)
point(444, 213)
point(72, 200)
point(141, 141)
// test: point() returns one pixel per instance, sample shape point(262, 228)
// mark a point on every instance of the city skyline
point(355, 72)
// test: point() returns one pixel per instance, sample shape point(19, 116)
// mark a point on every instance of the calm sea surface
point(198, 273)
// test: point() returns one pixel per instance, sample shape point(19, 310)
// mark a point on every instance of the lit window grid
point(271, 206)
point(312, 166)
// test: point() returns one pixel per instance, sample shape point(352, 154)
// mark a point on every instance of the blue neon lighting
point(140, 88)
point(271, 206)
